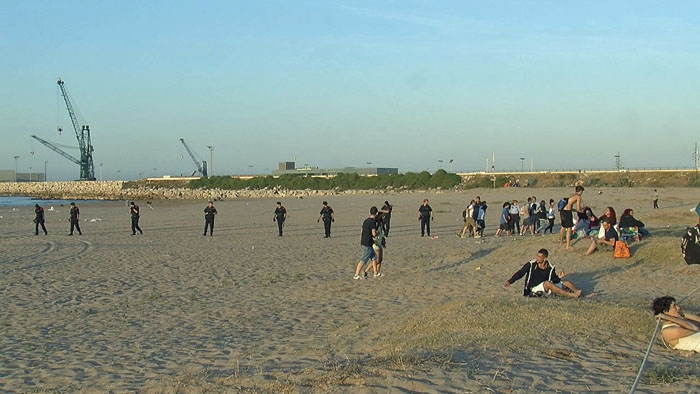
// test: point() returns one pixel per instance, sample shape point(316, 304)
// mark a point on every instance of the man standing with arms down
point(567, 216)
point(369, 231)
point(74, 219)
point(655, 197)
point(39, 219)
point(280, 216)
point(209, 213)
point(328, 217)
point(135, 215)
point(425, 214)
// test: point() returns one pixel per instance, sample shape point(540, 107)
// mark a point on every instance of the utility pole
point(101, 171)
point(696, 156)
point(618, 163)
point(30, 174)
point(45, 162)
point(522, 164)
point(16, 157)
point(531, 164)
point(211, 160)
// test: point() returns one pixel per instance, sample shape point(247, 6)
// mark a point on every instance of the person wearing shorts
point(541, 279)
point(567, 215)
point(369, 232)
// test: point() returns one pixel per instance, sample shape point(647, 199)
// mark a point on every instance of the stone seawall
point(113, 190)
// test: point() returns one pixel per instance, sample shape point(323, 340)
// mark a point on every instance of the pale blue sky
point(339, 83)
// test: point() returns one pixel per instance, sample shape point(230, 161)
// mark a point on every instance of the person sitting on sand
point(679, 331)
point(609, 239)
point(542, 279)
point(627, 220)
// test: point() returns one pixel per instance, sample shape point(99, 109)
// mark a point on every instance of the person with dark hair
point(135, 215)
point(504, 222)
point(609, 239)
point(679, 330)
point(425, 214)
point(541, 279)
point(209, 213)
point(627, 220)
point(567, 216)
point(39, 219)
point(550, 216)
point(469, 221)
point(481, 219)
point(280, 216)
point(386, 210)
point(610, 215)
point(379, 245)
point(655, 197)
point(74, 219)
point(514, 217)
point(369, 232)
point(328, 217)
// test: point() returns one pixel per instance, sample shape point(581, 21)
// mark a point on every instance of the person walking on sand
point(655, 197)
point(550, 216)
point(209, 213)
point(369, 232)
point(378, 246)
point(39, 219)
point(567, 216)
point(504, 223)
point(514, 217)
point(280, 216)
point(328, 217)
point(74, 219)
point(135, 216)
point(386, 210)
point(541, 279)
point(469, 221)
point(425, 214)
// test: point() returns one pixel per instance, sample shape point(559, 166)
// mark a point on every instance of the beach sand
point(246, 310)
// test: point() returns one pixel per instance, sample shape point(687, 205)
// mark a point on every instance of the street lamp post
point(522, 164)
point(101, 171)
point(16, 157)
point(45, 163)
point(211, 160)
point(30, 174)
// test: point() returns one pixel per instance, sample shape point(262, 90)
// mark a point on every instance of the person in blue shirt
point(504, 223)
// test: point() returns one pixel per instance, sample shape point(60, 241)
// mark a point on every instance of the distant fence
point(579, 171)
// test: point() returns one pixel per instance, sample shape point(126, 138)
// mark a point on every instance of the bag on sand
point(621, 250)
point(690, 245)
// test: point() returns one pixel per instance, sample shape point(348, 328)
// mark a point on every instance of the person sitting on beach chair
point(542, 279)
point(679, 331)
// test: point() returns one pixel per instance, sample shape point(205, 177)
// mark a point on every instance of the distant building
point(9, 176)
point(289, 168)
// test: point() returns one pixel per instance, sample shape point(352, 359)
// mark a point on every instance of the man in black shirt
point(541, 278)
point(328, 217)
point(209, 213)
point(386, 210)
point(425, 214)
point(280, 216)
point(39, 219)
point(369, 231)
point(135, 215)
point(74, 219)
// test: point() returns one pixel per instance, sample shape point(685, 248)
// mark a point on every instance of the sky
point(405, 83)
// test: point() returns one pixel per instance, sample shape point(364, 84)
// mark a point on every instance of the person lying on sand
point(542, 279)
point(680, 331)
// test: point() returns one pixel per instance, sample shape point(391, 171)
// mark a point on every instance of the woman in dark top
point(627, 220)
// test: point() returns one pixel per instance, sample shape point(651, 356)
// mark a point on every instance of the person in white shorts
point(541, 279)
point(680, 331)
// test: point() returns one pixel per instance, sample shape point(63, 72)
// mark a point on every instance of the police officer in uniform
point(135, 215)
point(425, 213)
point(280, 216)
point(74, 219)
point(386, 210)
point(39, 219)
point(328, 217)
point(209, 213)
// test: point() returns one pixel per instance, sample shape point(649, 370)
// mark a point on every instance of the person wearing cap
point(209, 213)
point(328, 217)
point(135, 216)
point(280, 216)
point(74, 219)
point(39, 219)
point(425, 214)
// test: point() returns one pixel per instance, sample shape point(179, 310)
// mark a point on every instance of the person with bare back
point(567, 216)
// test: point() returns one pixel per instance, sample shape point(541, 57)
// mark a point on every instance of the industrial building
point(289, 168)
point(9, 176)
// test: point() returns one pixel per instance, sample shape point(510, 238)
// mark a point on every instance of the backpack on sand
point(690, 245)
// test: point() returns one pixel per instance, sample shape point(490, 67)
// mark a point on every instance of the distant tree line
point(409, 180)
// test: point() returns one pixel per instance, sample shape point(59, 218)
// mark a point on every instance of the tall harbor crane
point(82, 133)
point(200, 165)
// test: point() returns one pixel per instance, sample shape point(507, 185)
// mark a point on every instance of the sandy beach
point(246, 310)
